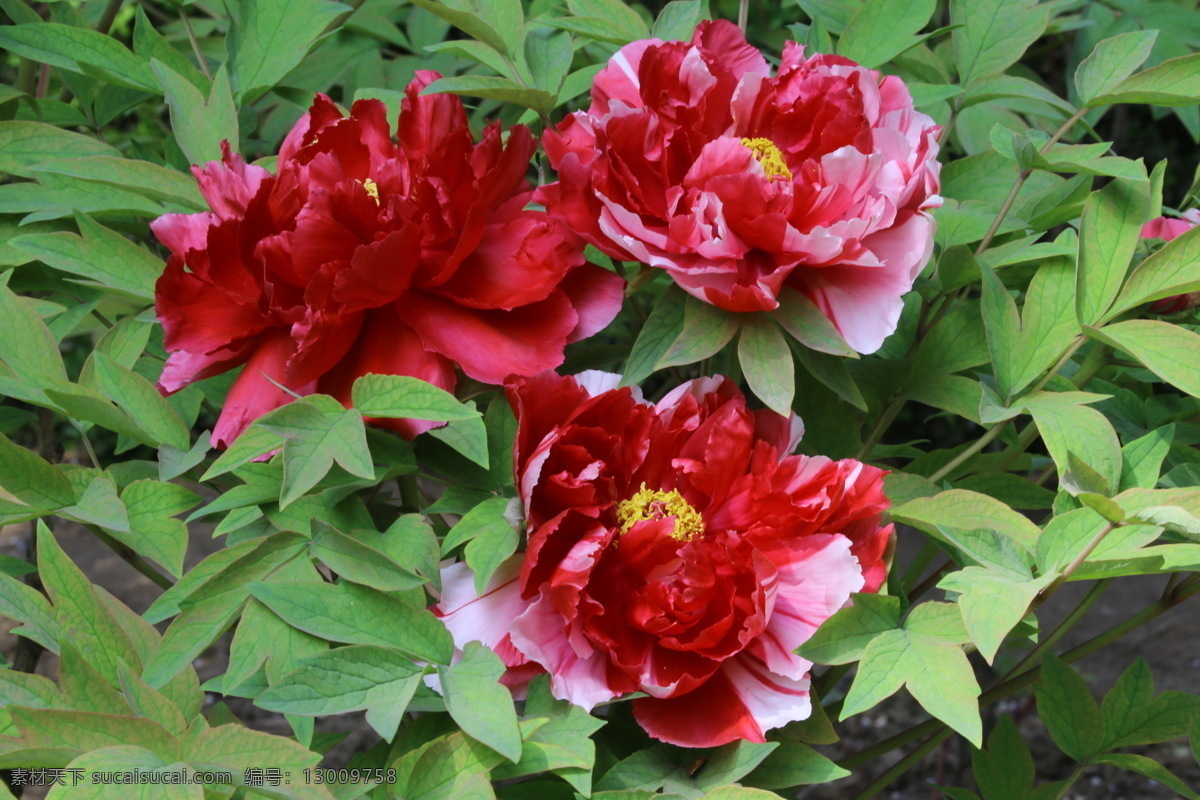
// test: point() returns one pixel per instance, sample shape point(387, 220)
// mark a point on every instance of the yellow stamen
point(372, 189)
point(770, 157)
point(649, 504)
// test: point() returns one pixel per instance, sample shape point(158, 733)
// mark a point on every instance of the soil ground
point(1170, 644)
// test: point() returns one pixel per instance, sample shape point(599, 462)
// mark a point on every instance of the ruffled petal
point(487, 617)
point(742, 700)
point(580, 678)
point(253, 393)
point(491, 345)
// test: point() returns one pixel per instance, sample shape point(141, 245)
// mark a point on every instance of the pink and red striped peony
point(694, 158)
point(675, 549)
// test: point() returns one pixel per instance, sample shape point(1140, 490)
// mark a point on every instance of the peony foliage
point(511, 399)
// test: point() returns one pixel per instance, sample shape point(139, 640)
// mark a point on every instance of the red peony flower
point(674, 549)
point(1167, 228)
point(693, 158)
point(364, 254)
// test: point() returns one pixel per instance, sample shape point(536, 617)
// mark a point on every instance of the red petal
point(386, 346)
point(597, 295)
point(252, 394)
point(491, 345)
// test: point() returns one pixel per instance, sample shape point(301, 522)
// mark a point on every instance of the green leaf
point(72, 48)
point(236, 748)
point(97, 767)
point(1083, 431)
point(831, 371)
point(200, 125)
point(1068, 710)
point(72, 733)
point(470, 18)
point(26, 344)
point(1148, 767)
point(150, 703)
point(264, 641)
point(706, 329)
point(1169, 351)
point(882, 30)
point(270, 37)
point(494, 89)
point(137, 397)
point(150, 179)
point(767, 364)
point(953, 393)
point(478, 52)
point(213, 602)
point(1003, 326)
point(468, 437)
point(562, 745)
point(994, 34)
point(31, 479)
point(992, 602)
point(317, 431)
point(101, 254)
point(26, 144)
point(1108, 234)
point(359, 562)
point(399, 396)
point(801, 318)
point(793, 764)
point(23, 603)
point(924, 656)
point(1047, 323)
point(1112, 61)
point(842, 638)
point(1134, 716)
point(600, 30)
point(661, 328)
point(1175, 82)
point(548, 55)
point(963, 510)
point(1172, 270)
point(153, 529)
point(1172, 518)
point(678, 20)
point(355, 614)
point(479, 703)
point(1143, 457)
point(356, 678)
point(1005, 770)
point(87, 625)
point(628, 21)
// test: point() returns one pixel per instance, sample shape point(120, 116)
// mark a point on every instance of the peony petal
point(183, 232)
point(742, 700)
point(597, 295)
point(229, 184)
point(485, 618)
point(540, 634)
point(386, 346)
point(813, 585)
point(491, 345)
point(255, 392)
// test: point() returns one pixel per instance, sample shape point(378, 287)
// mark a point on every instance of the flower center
point(373, 189)
point(656, 504)
point(770, 157)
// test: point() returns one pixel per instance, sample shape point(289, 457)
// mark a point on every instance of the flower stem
point(131, 558)
point(1021, 178)
point(187, 26)
point(743, 14)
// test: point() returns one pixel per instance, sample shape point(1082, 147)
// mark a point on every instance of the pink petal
point(813, 585)
point(596, 295)
point(580, 679)
point(742, 700)
point(485, 618)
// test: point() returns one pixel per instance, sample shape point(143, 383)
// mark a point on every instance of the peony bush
point(525, 401)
